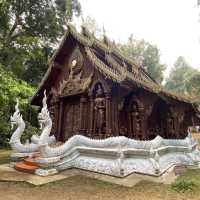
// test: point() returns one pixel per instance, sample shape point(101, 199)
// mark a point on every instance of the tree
point(31, 25)
point(91, 24)
point(136, 49)
point(29, 30)
point(36, 64)
point(10, 89)
point(184, 79)
point(193, 85)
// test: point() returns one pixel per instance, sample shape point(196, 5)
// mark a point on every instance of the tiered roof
point(111, 62)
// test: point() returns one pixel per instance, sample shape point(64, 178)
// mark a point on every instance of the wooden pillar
point(60, 120)
point(83, 116)
point(56, 116)
point(108, 115)
point(130, 132)
point(143, 120)
point(91, 116)
point(115, 119)
point(53, 110)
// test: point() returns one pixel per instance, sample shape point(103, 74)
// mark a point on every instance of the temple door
point(71, 118)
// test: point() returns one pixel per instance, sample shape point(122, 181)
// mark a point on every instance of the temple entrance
point(161, 121)
point(131, 117)
point(184, 122)
point(71, 117)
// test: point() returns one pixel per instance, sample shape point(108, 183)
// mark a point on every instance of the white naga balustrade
point(116, 156)
point(120, 156)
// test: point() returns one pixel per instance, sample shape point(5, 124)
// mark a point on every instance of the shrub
point(183, 186)
point(10, 89)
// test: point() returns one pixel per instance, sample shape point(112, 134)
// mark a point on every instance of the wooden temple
point(96, 91)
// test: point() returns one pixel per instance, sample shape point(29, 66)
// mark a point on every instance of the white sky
point(172, 25)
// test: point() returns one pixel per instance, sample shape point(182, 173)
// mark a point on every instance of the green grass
point(192, 175)
point(187, 182)
point(4, 156)
point(183, 186)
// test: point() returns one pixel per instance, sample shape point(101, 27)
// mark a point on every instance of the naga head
point(16, 118)
point(44, 116)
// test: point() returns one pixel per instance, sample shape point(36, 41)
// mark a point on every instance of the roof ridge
point(122, 75)
point(87, 39)
point(103, 67)
point(134, 75)
point(90, 41)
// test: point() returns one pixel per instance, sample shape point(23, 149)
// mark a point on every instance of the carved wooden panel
point(75, 64)
point(71, 118)
point(54, 116)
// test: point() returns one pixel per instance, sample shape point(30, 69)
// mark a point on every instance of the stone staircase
point(28, 165)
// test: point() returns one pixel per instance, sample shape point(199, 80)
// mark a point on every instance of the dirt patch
point(81, 187)
point(196, 136)
point(85, 188)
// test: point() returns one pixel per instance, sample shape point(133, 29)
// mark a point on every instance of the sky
point(172, 25)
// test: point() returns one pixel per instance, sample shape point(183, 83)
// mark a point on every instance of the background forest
point(29, 32)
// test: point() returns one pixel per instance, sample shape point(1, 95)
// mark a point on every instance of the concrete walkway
point(7, 173)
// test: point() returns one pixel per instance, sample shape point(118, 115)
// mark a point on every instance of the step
point(35, 155)
point(30, 161)
point(24, 167)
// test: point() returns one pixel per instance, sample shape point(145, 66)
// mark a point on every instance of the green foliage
point(4, 156)
point(184, 79)
point(183, 186)
point(29, 131)
point(137, 49)
point(38, 57)
point(10, 89)
point(93, 27)
point(29, 28)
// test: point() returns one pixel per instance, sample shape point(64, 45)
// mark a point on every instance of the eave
point(114, 71)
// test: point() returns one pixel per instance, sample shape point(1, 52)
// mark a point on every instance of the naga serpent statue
point(45, 125)
point(15, 140)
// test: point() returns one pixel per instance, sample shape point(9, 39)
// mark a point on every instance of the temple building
point(96, 91)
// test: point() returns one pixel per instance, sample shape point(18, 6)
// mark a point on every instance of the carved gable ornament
point(75, 83)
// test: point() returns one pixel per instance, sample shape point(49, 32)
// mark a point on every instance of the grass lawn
point(80, 187)
point(187, 186)
point(4, 156)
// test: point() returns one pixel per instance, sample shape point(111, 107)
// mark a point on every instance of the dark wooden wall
point(107, 109)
